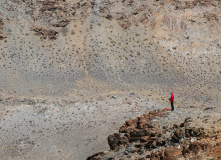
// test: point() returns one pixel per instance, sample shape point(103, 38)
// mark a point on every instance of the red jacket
point(172, 98)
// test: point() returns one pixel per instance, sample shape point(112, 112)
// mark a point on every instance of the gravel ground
point(34, 129)
point(64, 130)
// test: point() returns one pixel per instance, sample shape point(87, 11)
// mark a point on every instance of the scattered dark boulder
point(208, 108)
point(109, 17)
point(44, 33)
point(2, 36)
point(62, 23)
point(116, 140)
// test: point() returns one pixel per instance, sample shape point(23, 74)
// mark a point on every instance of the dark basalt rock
point(44, 33)
point(62, 23)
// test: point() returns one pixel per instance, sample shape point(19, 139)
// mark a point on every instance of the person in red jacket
point(172, 100)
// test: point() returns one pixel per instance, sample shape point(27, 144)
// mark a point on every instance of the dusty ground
point(66, 129)
point(77, 128)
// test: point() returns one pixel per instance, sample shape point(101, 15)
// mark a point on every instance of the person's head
point(171, 93)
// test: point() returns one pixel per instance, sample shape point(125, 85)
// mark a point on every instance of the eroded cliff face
point(59, 47)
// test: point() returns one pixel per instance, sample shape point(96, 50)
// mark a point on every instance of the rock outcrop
point(141, 138)
point(45, 33)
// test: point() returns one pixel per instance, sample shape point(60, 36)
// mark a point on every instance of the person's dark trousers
point(172, 107)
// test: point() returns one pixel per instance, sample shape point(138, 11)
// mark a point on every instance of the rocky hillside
point(73, 67)
point(149, 137)
point(62, 47)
